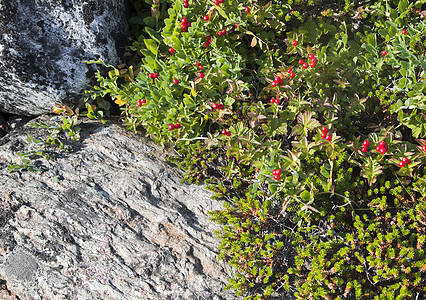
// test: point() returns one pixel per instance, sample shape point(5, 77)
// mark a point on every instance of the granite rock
point(107, 219)
point(43, 46)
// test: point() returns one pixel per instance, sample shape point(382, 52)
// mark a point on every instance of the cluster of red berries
point(208, 42)
point(290, 72)
point(185, 24)
point(185, 3)
point(174, 126)
point(382, 147)
point(403, 162)
point(217, 2)
point(277, 174)
point(221, 32)
point(217, 106)
point(277, 81)
point(200, 66)
point(365, 145)
point(275, 100)
point(226, 132)
point(324, 133)
point(140, 102)
point(153, 76)
point(313, 63)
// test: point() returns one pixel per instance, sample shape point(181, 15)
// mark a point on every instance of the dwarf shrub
point(309, 122)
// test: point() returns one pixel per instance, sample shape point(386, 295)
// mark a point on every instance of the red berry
point(177, 125)
point(294, 43)
point(206, 18)
point(364, 149)
point(424, 148)
point(272, 100)
point(382, 143)
point(236, 24)
point(305, 65)
point(277, 78)
point(201, 75)
point(313, 60)
point(223, 32)
point(382, 150)
point(274, 172)
point(215, 106)
point(208, 37)
point(405, 160)
point(311, 55)
point(172, 50)
point(403, 31)
point(274, 83)
point(292, 75)
point(200, 67)
point(384, 53)
point(366, 143)
point(247, 9)
point(289, 70)
point(401, 164)
point(156, 75)
point(151, 75)
point(197, 63)
point(189, 24)
point(220, 106)
point(139, 102)
point(219, 33)
point(206, 44)
point(216, 2)
point(277, 177)
point(323, 134)
point(184, 28)
point(301, 61)
point(186, 4)
point(228, 133)
point(277, 172)
point(224, 131)
point(324, 129)
point(312, 65)
point(184, 20)
point(171, 126)
point(277, 101)
point(175, 81)
point(378, 148)
point(328, 137)
point(221, 1)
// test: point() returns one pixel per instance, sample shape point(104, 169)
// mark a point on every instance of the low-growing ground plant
point(308, 118)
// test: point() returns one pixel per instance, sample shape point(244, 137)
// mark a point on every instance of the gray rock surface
point(107, 219)
point(43, 44)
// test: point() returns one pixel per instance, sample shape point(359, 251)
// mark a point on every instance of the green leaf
point(402, 82)
point(402, 6)
point(151, 46)
point(221, 12)
point(306, 196)
point(371, 170)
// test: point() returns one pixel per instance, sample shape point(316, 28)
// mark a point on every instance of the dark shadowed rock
point(106, 220)
point(43, 44)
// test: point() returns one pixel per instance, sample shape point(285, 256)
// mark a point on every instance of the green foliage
point(341, 220)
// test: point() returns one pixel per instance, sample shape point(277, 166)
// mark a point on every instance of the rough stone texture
point(108, 219)
point(43, 44)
